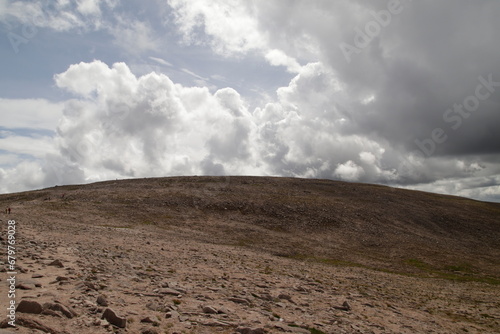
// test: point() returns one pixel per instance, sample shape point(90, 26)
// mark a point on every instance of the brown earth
point(251, 255)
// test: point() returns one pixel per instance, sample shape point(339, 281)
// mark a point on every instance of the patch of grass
point(462, 272)
point(463, 268)
point(243, 242)
point(419, 264)
point(332, 262)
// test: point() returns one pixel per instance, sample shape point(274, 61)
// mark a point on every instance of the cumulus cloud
point(132, 126)
point(279, 58)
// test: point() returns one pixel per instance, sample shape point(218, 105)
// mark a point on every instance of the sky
point(397, 92)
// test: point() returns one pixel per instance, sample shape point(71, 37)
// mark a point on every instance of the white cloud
point(133, 36)
point(10, 159)
point(89, 7)
point(349, 171)
point(191, 73)
point(138, 126)
point(32, 146)
point(60, 18)
point(161, 61)
point(30, 113)
point(368, 157)
point(96, 78)
point(82, 16)
point(26, 175)
point(279, 58)
point(230, 25)
point(480, 187)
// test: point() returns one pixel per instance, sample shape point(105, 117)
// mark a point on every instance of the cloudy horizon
point(397, 92)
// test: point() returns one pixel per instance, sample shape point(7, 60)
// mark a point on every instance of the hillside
point(370, 231)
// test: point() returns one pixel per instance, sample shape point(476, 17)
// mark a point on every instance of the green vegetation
point(418, 264)
point(462, 272)
point(464, 268)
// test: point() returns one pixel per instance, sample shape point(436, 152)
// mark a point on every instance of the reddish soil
point(251, 255)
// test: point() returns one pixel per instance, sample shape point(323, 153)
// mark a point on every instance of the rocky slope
point(251, 255)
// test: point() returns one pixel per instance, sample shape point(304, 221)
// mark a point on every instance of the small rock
point(89, 286)
point(209, 310)
point(148, 320)
point(5, 324)
point(172, 315)
point(345, 307)
point(101, 323)
point(51, 313)
point(284, 296)
point(37, 276)
point(101, 300)
point(34, 324)
point(153, 306)
point(301, 289)
point(215, 323)
point(114, 319)
point(239, 301)
point(169, 291)
point(29, 306)
point(223, 310)
point(88, 303)
point(66, 311)
point(25, 286)
point(56, 263)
